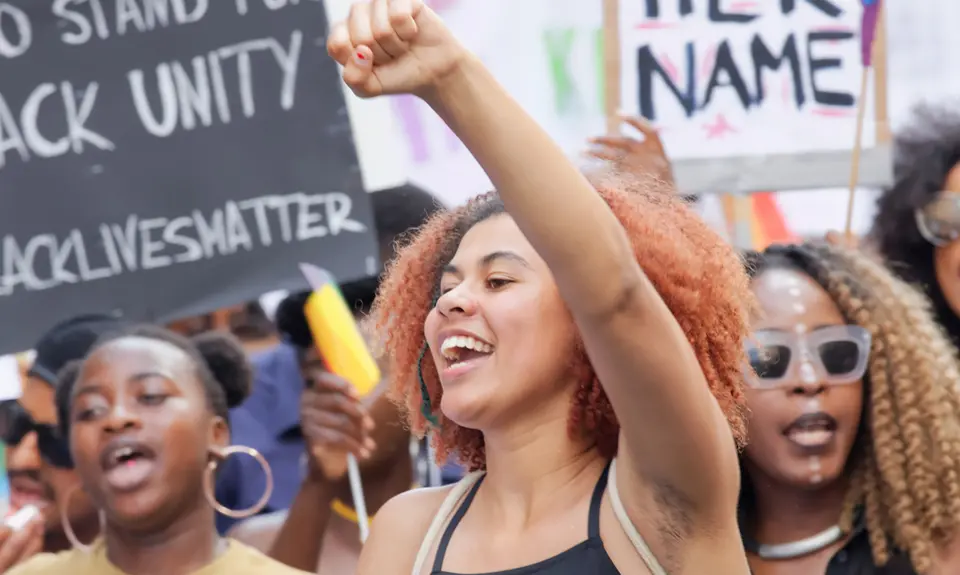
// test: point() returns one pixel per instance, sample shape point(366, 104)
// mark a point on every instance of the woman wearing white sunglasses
point(853, 459)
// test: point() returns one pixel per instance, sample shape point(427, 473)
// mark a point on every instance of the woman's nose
point(120, 418)
point(808, 381)
point(457, 301)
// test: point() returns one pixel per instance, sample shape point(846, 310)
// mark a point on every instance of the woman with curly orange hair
point(853, 465)
point(562, 338)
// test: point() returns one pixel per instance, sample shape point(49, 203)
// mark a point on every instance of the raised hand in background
point(645, 156)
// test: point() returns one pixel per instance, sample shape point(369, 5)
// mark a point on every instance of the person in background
point(917, 225)
point(38, 461)
point(148, 423)
point(853, 460)
point(247, 322)
point(270, 419)
point(320, 532)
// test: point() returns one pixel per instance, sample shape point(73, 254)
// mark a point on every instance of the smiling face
point(141, 431)
point(801, 430)
point(500, 335)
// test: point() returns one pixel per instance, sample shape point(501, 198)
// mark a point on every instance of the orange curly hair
point(698, 275)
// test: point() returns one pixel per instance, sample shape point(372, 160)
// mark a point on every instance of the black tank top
point(588, 557)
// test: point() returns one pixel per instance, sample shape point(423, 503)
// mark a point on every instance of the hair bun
point(228, 363)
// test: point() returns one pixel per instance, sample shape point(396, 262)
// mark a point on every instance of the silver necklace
point(802, 547)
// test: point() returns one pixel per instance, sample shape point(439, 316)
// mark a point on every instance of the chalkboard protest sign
point(753, 96)
point(168, 157)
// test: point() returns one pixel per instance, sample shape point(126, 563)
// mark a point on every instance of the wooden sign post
point(611, 65)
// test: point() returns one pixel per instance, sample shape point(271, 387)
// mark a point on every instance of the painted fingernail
point(361, 58)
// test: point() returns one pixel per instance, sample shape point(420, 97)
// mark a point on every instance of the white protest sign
point(751, 95)
point(10, 384)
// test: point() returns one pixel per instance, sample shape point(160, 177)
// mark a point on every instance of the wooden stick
point(611, 65)
point(857, 149)
point(878, 56)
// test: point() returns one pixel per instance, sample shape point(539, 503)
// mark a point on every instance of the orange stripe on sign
point(769, 218)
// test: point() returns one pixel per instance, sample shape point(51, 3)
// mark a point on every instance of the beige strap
point(446, 510)
point(628, 527)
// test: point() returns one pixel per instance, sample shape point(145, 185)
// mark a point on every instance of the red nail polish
point(361, 56)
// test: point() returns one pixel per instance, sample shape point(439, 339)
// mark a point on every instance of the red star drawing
point(719, 128)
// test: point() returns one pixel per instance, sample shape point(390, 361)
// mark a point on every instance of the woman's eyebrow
point(489, 259)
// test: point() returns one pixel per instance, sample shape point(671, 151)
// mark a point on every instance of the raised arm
point(674, 434)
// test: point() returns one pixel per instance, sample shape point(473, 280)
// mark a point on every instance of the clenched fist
point(394, 47)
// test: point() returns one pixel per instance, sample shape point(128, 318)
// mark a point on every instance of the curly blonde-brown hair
point(697, 274)
point(905, 471)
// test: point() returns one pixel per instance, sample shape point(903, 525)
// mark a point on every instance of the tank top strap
point(593, 524)
point(628, 527)
point(452, 526)
point(447, 508)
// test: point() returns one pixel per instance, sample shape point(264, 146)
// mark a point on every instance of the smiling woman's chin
point(463, 410)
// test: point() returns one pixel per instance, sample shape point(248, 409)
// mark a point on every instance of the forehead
point(494, 234)
point(790, 297)
point(128, 356)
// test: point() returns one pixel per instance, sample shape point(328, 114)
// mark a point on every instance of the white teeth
point(123, 452)
point(450, 348)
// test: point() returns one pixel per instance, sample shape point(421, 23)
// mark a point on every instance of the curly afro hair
point(925, 152)
point(905, 468)
point(697, 274)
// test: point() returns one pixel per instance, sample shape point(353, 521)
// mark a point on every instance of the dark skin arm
point(300, 539)
point(335, 423)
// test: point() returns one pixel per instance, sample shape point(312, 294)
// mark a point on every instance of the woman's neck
point(185, 545)
point(780, 513)
point(532, 467)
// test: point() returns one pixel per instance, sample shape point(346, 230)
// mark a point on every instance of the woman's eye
point(497, 283)
point(152, 398)
point(87, 414)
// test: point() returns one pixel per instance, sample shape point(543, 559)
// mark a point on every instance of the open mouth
point(127, 464)
point(460, 351)
point(812, 430)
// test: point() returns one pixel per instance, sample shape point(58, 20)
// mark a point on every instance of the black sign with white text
point(169, 157)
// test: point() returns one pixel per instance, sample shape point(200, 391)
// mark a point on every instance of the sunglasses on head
point(834, 355)
point(939, 221)
point(16, 423)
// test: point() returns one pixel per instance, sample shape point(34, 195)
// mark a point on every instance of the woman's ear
point(219, 435)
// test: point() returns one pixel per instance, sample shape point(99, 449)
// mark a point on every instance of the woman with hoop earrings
point(147, 422)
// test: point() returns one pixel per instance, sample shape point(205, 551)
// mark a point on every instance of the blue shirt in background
point(268, 421)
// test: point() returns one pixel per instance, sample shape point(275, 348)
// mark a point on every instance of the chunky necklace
point(799, 548)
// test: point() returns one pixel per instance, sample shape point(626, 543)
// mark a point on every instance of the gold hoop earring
point(209, 483)
point(68, 529)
